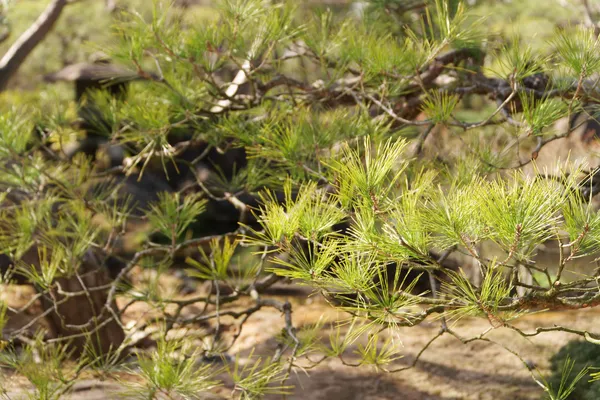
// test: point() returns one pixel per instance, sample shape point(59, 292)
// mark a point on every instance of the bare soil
point(448, 369)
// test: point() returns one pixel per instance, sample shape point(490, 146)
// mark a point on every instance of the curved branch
point(18, 52)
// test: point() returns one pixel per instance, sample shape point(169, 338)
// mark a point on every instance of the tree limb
point(18, 52)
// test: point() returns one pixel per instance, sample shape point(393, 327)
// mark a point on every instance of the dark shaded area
point(589, 120)
point(469, 376)
point(349, 386)
point(88, 78)
point(584, 354)
point(112, 263)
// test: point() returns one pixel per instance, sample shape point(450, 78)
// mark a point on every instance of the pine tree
point(356, 152)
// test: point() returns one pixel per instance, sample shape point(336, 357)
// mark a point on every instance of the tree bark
point(82, 316)
point(18, 52)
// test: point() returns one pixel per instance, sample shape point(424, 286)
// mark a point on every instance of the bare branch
point(18, 52)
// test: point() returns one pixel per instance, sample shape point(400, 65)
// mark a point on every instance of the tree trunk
point(83, 315)
point(14, 57)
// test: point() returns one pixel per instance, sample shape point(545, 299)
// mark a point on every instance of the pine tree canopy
point(408, 162)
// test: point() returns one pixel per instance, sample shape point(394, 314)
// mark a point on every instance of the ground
point(447, 370)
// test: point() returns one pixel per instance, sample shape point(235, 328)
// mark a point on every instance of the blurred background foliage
point(87, 27)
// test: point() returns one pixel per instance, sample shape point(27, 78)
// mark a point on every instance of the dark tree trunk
point(83, 316)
